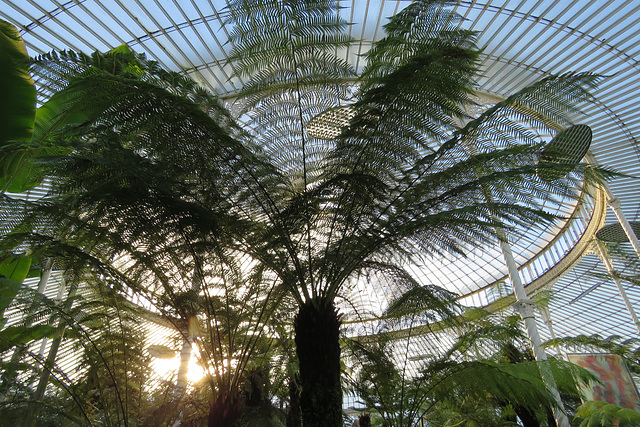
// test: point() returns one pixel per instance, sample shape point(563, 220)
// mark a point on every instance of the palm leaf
point(17, 115)
point(294, 73)
point(17, 112)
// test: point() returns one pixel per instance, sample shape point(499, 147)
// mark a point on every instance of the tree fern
point(156, 185)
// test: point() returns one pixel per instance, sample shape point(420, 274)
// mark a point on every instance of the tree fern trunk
point(317, 327)
point(225, 410)
point(293, 415)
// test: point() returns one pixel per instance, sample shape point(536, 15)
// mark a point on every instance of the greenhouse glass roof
point(523, 40)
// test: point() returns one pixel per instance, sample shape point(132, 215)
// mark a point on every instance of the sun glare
point(166, 368)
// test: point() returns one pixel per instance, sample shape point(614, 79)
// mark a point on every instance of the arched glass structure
point(593, 291)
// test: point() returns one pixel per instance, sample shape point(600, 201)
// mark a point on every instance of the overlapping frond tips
point(421, 26)
point(277, 38)
point(427, 300)
point(415, 86)
point(549, 104)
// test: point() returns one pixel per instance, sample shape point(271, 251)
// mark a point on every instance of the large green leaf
point(16, 268)
point(63, 108)
point(18, 109)
point(22, 334)
point(60, 110)
point(13, 270)
point(17, 169)
point(19, 165)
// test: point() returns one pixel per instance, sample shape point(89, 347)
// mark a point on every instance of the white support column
point(546, 318)
point(525, 308)
point(61, 289)
point(44, 277)
point(614, 204)
point(604, 256)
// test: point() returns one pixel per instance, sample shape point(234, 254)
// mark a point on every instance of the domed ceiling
point(523, 41)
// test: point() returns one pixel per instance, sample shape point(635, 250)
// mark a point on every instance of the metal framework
point(523, 40)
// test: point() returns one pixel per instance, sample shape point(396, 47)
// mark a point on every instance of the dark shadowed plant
point(106, 216)
point(115, 367)
point(402, 177)
point(382, 374)
point(93, 330)
point(483, 379)
point(157, 183)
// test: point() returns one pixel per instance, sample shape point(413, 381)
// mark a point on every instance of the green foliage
point(13, 271)
point(8, 290)
point(28, 130)
point(158, 190)
point(12, 336)
point(432, 302)
point(14, 294)
point(417, 81)
point(387, 385)
point(106, 387)
point(15, 268)
point(378, 382)
point(483, 379)
point(18, 109)
point(115, 369)
point(603, 414)
point(17, 112)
